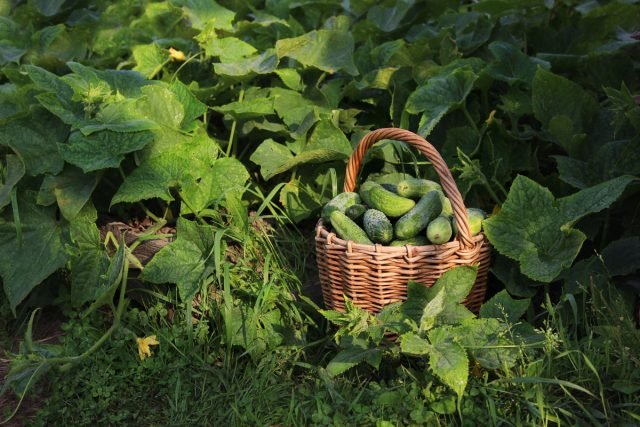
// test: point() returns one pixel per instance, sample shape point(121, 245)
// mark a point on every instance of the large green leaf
point(486, 339)
point(180, 166)
point(263, 63)
point(448, 292)
point(88, 262)
point(411, 343)
point(186, 261)
point(35, 142)
point(503, 306)
point(534, 228)
point(249, 108)
point(432, 310)
point(328, 136)
point(102, 150)
point(162, 105)
point(440, 95)
point(449, 362)
point(269, 156)
point(610, 160)
point(207, 13)
point(389, 18)
point(352, 356)
point(71, 188)
point(320, 155)
point(228, 49)
point(328, 50)
point(154, 178)
point(149, 59)
point(512, 65)
point(192, 107)
point(29, 258)
point(458, 282)
point(562, 106)
point(219, 178)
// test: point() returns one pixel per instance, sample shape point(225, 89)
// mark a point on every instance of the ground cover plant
point(218, 131)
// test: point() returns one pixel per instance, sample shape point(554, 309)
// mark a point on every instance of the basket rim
point(324, 233)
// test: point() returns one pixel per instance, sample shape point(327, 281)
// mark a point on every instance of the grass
point(585, 377)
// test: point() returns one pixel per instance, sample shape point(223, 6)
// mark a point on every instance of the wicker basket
point(373, 276)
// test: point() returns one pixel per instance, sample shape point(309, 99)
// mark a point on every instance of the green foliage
point(229, 120)
point(432, 323)
point(548, 244)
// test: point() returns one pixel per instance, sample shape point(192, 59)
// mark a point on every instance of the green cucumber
point(341, 202)
point(346, 229)
point(475, 217)
point(414, 221)
point(414, 241)
point(356, 211)
point(415, 188)
point(377, 197)
point(377, 226)
point(390, 178)
point(439, 230)
point(391, 187)
point(447, 209)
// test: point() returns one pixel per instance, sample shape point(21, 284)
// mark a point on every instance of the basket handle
point(429, 151)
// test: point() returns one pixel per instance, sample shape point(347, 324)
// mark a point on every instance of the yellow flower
point(143, 346)
point(176, 55)
point(490, 118)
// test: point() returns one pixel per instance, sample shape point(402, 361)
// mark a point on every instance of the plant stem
point(234, 124)
point(469, 118)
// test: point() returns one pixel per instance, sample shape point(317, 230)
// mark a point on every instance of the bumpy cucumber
point(414, 241)
point(475, 217)
point(377, 226)
point(439, 230)
point(356, 211)
point(341, 202)
point(414, 221)
point(346, 229)
point(377, 197)
point(415, 188)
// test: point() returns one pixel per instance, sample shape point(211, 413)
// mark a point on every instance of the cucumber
point(341, 202)
point(475, 217)
point(346, 229)
point(415, 188)
point(365, 191)
point(356, 211)
point(414, 221)
point(391, 187)
point(377, 197)
point(439, 230)
point(414, 241)
point(377, 226)
point(390, 178)
point(447, 209)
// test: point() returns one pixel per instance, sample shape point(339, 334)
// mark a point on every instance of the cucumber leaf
point(535, 228)
point(186, 261)
point(439, 96)
point(33, 254)
point(327, 50)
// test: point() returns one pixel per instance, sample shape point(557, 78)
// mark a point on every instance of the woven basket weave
point(373, 276)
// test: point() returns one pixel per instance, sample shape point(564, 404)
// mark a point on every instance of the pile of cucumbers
point(396, 210)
